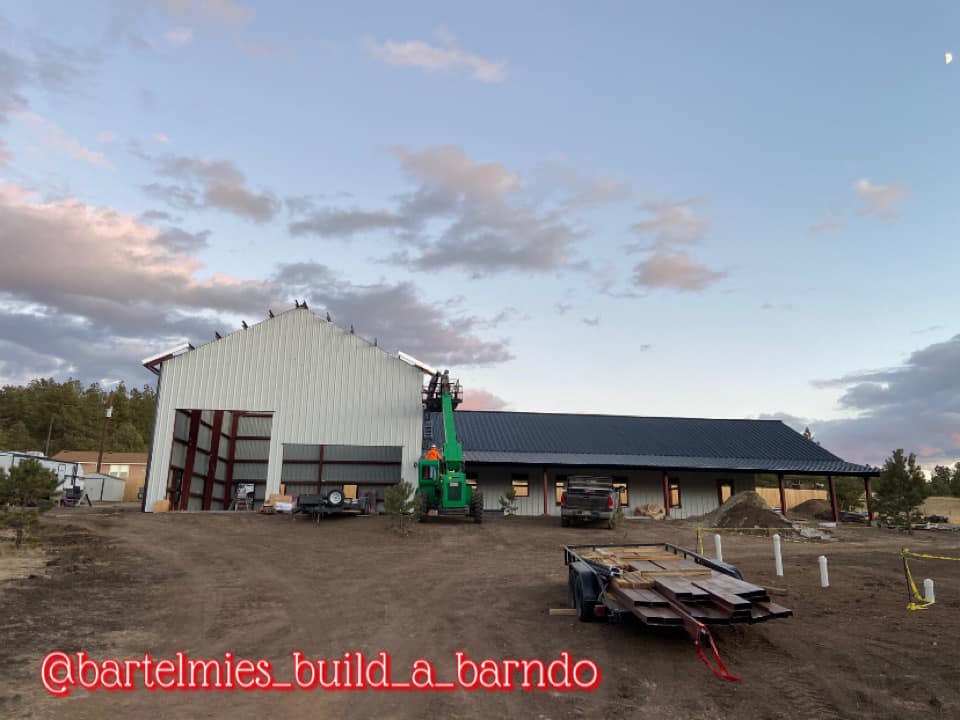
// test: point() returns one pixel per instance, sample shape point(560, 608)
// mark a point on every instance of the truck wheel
point(476, 506)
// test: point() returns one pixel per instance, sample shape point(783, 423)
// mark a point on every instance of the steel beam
point(231, 456)
point(212, 459)
point(192, 435)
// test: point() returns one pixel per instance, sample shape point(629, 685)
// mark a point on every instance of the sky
point(644, 208)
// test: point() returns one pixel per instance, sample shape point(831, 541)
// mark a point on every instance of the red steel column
point(211, 477)
point(866, 487)
point(783, 495)
point(666, 493)
point(833, 498)
point(191, 458)
point(228, 486)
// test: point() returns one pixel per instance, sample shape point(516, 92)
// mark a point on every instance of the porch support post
point(783, 495)
point(211, 477)
point(546, 510)
point(834, 507)
point(320, 472)
point(867, 496)
point(666, 493)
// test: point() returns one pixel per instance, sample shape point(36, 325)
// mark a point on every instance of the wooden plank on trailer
point(775, 610)
point(699, 573)
point(642, 565)
point(678, 563)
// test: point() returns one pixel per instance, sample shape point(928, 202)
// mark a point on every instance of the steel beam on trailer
point(214, 456)
point(783, 495)
point(831, 483)
point(231, 456)
point(192, 436)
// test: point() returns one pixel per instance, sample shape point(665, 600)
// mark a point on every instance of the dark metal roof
point(654, 442)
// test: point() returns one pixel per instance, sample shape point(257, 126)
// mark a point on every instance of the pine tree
point(940, 482)
point(508, 502)
point(900, 488)
point(400, 504)
point(25, 492)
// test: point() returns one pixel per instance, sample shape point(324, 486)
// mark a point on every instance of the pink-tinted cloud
point(481, 400)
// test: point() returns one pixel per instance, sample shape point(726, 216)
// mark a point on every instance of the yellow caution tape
point(919, 602)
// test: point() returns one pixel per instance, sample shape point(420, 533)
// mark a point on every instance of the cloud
point(677, 271)
point(160, 137)
point(591, 321)
point(395, 315)
point(45, 64)
point(179, 36)
point(671, 224)
point(915, 406)
point(106, 137)
point(89, 291)
point(830, 222)
point(882, 201)
point(563, 308)
point(670, 227)
point(477, 399)
point(5, 155)
point(460, 213)
point(268, 51)
point(448, 55)
point(223, 13)
point(54, 138)
point(208, 183)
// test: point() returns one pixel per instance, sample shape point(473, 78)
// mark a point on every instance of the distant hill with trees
point(77, 415)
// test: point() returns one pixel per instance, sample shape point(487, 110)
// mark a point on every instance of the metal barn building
point(294, 399)
point(688, 466)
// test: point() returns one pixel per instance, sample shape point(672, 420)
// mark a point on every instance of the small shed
point(103, 488)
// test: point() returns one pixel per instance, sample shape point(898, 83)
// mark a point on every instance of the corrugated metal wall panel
point(363, 452)
point(295, 489)
point(302, 473)
point(182, 426)
point(294, 451)
point(179, 455)
point(254, 425)
point(249, 471)
point(323, 384)
point(360, 473)
point(252, 450)
point(204, 436)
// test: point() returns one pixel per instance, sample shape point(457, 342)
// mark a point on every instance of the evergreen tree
point(940, 482)
point(955, 481)
point(25, 492)
point(900, 488)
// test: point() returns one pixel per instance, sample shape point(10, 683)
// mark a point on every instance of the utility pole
point(103, 433)
point(46, 448)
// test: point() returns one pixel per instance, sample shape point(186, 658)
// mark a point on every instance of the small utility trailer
point(665, 586)
point(333, 502)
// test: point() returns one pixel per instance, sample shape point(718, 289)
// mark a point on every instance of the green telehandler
point(442, 480)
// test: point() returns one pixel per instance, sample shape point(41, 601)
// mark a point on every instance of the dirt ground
point(120, 583)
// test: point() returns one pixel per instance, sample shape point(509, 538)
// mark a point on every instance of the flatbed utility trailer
point(664, 585)
point(332, 503)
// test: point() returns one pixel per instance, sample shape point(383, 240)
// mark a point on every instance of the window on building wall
point(675, 493)
point(620, 485)
point(472, 479)
point(349, 492)
point(521, 484)
point(120, 471)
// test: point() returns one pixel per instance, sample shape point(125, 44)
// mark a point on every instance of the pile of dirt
point(812, 509)
point(744, 510)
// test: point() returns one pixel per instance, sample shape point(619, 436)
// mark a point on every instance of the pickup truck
point(589, 498)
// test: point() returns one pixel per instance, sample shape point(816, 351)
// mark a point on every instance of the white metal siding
point(323, 385)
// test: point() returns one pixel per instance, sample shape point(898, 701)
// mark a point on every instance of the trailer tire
point(584, 591)
point(476, 506)
point(334, 498)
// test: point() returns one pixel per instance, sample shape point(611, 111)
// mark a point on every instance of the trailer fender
point(584, 588)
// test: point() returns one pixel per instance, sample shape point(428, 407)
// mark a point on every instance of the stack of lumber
point(655, 582)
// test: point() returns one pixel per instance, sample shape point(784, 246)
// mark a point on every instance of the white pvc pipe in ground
point(718, 547)
point(928, 590)
point(824, 577)
point(777, 557)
